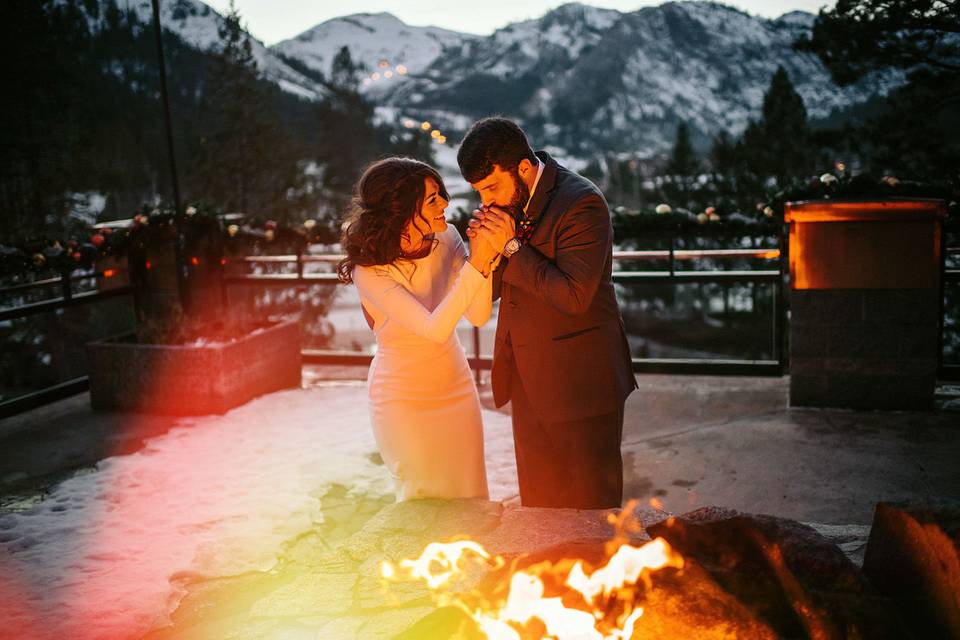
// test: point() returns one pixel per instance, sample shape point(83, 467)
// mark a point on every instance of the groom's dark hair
point(492, 141)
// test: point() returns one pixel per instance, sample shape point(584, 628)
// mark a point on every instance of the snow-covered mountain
point(595, 78)
point(381, 42)
point(579, 77)
point(197, 25)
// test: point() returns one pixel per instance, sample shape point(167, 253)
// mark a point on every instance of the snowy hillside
point(579, 78)
point(197, 24)
point(385, 46)
point(597, 78)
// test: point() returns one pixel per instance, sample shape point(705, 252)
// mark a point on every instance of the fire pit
point(713, 573)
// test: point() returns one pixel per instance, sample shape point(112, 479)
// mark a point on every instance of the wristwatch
point(511, 247)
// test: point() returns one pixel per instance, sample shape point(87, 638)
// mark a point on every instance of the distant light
point(149, 265)
point(109, 273)
point(223, 262)
point(840, 166)
point(383, 64)
point(388, 74)
point(435, 133)
point(402, 70)
point(194, 260)
point(442, 139)
point(408, 123)
point(425, 125)
point(375, 77)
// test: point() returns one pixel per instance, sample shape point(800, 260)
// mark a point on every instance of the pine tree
point(858, 37)
point(723, 156)
point(785, 128)
point(46, 112)
point(348, 137)
point(779, 144)
point(683, 160)
point(245, 163)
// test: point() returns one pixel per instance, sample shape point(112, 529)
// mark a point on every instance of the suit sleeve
point(569, 282)
point(393, 299)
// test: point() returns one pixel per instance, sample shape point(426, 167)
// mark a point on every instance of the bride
point(415, 282)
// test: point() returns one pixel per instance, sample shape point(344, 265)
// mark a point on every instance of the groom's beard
point(521, 195)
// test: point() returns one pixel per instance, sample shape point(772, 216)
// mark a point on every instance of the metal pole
point(179, 245)
point(938, 225)
point(476, 353)
point(780, 305)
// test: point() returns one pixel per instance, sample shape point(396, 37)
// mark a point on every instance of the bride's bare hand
point(500, 224)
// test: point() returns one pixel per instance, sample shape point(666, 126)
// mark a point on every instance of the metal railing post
point(476, 353)
point(780, 308)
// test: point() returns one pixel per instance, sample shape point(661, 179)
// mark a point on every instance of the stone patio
point(689, 442)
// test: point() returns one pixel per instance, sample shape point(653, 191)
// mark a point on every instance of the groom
point(561, 354)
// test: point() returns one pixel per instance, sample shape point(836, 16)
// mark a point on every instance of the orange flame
point(606, 595)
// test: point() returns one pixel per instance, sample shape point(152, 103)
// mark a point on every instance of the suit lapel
point(543, 195)
point(548, 182)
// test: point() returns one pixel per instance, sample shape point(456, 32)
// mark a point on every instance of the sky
point(274, 20)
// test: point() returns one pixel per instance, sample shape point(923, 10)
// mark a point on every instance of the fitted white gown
point(423, 402)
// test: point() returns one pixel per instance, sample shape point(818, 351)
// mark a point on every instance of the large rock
point(785, 572)
point(913, 556)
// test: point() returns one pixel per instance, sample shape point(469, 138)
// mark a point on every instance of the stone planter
point(864, 303)
point(193, 379)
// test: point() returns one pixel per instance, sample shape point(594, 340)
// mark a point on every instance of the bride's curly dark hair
point(388, 195)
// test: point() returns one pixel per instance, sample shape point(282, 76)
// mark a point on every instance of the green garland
point(865, 187)
point(152, 226)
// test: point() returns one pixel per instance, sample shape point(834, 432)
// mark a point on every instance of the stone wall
point(863, 348)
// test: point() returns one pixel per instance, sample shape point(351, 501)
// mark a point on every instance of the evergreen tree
point(860, 37)
point(348, 138)
point(47, 75)
point(779, 144)
point(683, 160)
point(723, 154)
point(245, 162)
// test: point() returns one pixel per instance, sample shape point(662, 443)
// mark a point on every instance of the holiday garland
point(153, 226)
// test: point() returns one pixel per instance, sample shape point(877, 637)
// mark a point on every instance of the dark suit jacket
point(559, 324)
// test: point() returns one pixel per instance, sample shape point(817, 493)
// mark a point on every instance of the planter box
point(193, 380)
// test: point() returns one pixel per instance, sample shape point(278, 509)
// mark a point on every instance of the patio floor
point(689, 441)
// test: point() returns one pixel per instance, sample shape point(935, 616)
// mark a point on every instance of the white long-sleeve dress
point(424, 406)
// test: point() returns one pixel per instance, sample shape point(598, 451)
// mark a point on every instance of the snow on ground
point(216, 495)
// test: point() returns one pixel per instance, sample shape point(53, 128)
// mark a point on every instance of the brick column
point(864, 303)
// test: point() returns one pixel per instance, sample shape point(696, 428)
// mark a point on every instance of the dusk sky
point(274, 20)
